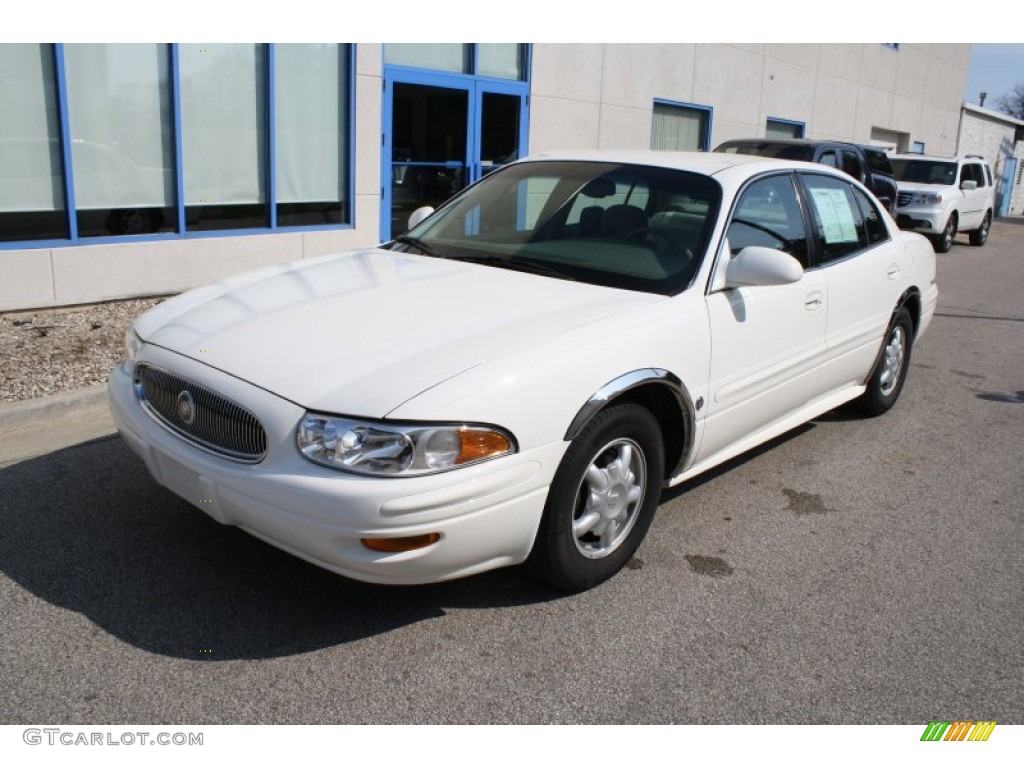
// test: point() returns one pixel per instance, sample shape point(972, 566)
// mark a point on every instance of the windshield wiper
point(506, 262)
point(418, 244)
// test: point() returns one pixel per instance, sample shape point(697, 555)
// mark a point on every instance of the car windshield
point(625, 226)
point(924, 171)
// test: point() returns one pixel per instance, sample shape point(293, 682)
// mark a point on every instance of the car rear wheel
point(886, 381)
point(944, 241)
point(602, 500)
point(980, 235)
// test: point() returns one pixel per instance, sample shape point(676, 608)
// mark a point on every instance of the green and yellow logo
point(958, 730)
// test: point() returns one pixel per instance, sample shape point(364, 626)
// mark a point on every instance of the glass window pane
point(500, 60)
point(119, 110)
point(839, 219)
point(31, 181)
point(779, 129)
point(679, 128)
point(768, 215)
point(311, 121)
point(223, 134)
point(449, 57)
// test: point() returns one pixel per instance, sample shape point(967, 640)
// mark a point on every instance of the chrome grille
point(903, 198)
point(200, 415)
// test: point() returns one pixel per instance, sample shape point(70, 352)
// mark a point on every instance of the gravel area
point(59, 350)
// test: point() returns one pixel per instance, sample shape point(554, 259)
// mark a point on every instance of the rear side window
point(851, 165)
point(838, 220)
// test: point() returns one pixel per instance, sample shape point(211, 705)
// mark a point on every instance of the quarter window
point(874, 228)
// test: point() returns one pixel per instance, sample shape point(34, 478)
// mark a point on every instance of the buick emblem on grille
point(186, 407)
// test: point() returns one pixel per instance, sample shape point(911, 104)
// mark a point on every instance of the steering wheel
point(666, 241)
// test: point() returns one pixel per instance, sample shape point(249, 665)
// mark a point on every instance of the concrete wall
point(601, 96)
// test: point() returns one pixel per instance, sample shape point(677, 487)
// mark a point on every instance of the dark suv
point(868, 165)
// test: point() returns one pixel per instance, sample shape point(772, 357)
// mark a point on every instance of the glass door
point(441, 133)
point(429, 147)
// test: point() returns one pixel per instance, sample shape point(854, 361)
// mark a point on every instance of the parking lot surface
point(853, 571)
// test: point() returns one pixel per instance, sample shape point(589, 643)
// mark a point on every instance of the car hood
point(361, 333)
point(915, 186)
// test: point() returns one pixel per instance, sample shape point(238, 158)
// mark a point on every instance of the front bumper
point(487, 515)
point(921, 219)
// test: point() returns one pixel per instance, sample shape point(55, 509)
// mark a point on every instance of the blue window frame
point(680, 126)
point(269, 83)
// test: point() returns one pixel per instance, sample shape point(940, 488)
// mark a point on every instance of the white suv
point(941, 196)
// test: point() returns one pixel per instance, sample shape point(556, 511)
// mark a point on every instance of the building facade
point(131, 170)
point(999, 139)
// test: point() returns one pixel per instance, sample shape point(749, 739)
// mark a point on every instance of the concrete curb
point(46, 424)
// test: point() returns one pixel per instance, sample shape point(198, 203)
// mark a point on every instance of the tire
point(979, 236)
point(886, 380)
point(602, 500)
point(944, 241)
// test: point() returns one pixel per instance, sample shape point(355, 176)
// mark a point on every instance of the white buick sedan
point(517, 378)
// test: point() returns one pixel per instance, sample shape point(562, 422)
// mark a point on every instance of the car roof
point(707, 163)
point(791, 142)
point(936, 158)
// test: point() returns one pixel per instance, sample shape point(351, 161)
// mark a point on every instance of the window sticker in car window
point(838, 223)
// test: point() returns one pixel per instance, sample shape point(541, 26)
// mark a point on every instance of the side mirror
point(756, 265)
point(968, 184)
point(419, 215)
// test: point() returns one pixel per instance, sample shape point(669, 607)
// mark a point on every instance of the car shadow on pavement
point(87, 529)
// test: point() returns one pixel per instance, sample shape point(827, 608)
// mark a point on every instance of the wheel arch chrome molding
point(621, 386)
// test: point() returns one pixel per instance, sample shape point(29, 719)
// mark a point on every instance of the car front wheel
point(979, 236)
point(602, 500)
point(944, 241)
point(886, 381)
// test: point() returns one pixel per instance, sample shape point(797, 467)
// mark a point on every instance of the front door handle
point(813, 300)
point(894, 271)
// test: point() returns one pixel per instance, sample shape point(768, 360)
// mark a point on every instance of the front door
point(442, 133)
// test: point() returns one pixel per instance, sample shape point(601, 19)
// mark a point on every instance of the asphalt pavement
point(852, 571)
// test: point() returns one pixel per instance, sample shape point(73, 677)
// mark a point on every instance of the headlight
point(926, 198)
point(132, 345)
point(398, 450)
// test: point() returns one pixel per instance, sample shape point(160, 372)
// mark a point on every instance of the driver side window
point(768, 215)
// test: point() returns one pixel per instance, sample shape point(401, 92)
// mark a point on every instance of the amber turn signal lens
point(477, 444)
point(401, 543)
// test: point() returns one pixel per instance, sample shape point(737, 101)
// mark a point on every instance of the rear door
point(864, 270)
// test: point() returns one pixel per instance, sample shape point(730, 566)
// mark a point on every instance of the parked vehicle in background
point(942, 196)
point(868, 165)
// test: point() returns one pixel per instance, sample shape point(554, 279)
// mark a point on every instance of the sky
point(995, 68)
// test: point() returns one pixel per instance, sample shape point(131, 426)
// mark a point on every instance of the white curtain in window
point(500, 60)
point(30, 152)
point(449, 57)
point(311, 123)
point(223, 118)
point(677, 128)
point(776, 129)
point(120, 121)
